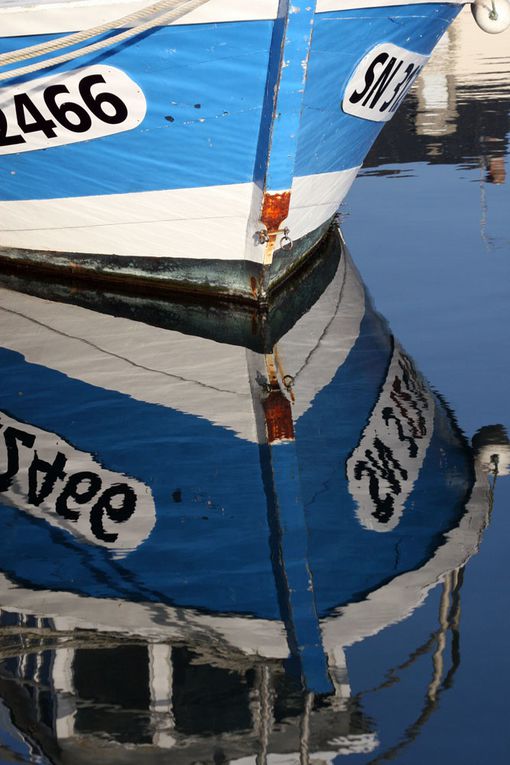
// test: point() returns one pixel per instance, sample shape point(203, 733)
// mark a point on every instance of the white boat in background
point(199, 144)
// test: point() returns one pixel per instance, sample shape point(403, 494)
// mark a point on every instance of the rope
point(12, 57)
point(493, 15)
point(170, 11)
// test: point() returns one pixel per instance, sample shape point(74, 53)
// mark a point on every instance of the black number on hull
point(62, 111)
point(95, 103)
point(8, 140)
point(25, 109)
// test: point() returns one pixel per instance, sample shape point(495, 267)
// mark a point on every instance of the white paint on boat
point(105, 100)
point(315, 198)
point(30, 17)
point(206, 223)
point(210, 222)
point(51, 16)
point(323, 6)
point(365, 97)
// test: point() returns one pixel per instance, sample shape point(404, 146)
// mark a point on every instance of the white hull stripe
point(205, 223)
point(18, 18)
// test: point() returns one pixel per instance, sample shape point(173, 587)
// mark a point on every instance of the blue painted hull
point(217, 141)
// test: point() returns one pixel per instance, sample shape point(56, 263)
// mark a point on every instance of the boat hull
point(220, 123)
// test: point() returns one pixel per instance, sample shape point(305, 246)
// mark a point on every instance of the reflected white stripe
point(260, 637)
point(158, 366)
point(190, 374)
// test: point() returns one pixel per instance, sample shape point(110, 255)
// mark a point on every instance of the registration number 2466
point(67, 108)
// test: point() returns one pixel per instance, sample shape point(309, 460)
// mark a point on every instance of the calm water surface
point(235, 538)
point(436, 257)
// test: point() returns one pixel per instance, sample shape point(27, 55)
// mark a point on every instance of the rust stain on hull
point(275, 209)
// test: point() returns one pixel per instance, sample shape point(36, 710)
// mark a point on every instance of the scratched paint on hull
point(276, 119)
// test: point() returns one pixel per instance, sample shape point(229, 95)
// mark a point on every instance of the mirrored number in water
point(51, 472)
point(117, 502)
point(11, 438)
point(90, 485)
point(106, 505)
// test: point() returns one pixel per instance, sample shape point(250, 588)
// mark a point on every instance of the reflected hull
point(221, 500)
point(195, 485)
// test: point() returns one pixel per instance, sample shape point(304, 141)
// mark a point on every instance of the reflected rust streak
point(275, 208)
point(278, 416)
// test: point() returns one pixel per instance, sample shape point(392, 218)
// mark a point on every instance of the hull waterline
point(210, 154)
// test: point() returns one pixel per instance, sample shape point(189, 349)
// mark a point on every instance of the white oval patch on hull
point(381, 81)
point(69, 107)
point(49, 479)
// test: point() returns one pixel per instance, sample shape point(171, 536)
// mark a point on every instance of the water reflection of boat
point(200, 141)
point(219, 506)
point(458, 110)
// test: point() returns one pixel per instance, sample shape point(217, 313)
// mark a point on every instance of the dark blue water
point(239, 538)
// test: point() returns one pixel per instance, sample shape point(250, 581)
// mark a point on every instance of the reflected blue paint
point(348, 560)
point(293, 572)
point(218, 538)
